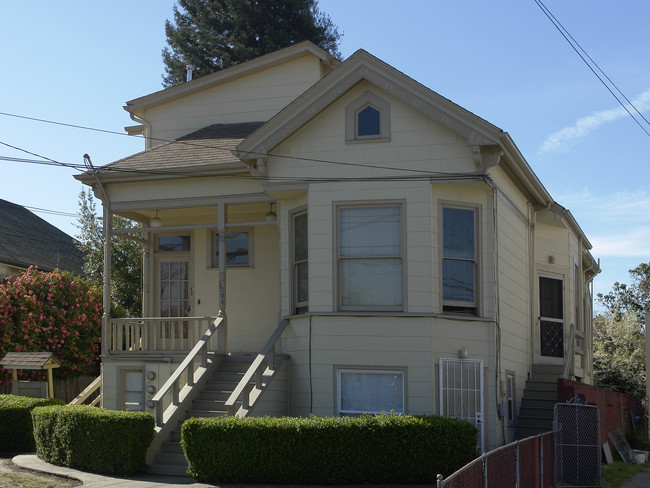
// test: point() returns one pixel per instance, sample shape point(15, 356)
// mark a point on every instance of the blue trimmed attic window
point(368, 122)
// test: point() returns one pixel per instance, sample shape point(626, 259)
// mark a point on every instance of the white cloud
point(617, 224)
point(564, 138)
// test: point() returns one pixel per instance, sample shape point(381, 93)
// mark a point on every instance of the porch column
point(221, 228)
point(108, 227)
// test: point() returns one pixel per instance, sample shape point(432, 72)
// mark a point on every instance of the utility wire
point(573, 43)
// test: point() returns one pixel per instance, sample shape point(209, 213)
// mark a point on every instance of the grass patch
point(618, 472)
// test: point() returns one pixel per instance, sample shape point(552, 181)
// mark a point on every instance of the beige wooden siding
point(256, 97)
point(416, 143)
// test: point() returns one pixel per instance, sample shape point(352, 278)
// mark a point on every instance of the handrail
point(244, 388)
point(173, 383)
point(569, 358)
point(89, 390)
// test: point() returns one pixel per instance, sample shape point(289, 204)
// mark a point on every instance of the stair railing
point(570, 353)
point(87, 392)
point(266, 357)
point(186, 369)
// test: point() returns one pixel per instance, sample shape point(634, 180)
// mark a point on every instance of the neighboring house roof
point(207, 149)
point(28, 240)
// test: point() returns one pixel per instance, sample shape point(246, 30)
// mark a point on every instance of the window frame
point(392, 370)
point(214, 261)
point(295, 304)
point(456, 307)
point(339, 259)
point(367, 99)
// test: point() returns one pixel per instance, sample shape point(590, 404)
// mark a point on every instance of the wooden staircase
point(538, 403)
point(209, 402)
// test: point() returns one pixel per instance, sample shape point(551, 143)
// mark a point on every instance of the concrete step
point(541, 385)
point(168, 470)
point(537, 412)
point(525, 431)
point(540, 395)
point(527, 402)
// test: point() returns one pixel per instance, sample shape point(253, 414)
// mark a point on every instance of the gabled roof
point(364, 66)
point(137, 106)
point(207, 149)
point(28, 240)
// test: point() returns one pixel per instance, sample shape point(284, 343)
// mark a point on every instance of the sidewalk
point(639, 480)
point(30, 461)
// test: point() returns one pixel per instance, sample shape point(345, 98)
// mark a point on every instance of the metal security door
point(461, 392)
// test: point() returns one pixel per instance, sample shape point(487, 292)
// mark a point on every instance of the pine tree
point(211, 35)
point(126, 258)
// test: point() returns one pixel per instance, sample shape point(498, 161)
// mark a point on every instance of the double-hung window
point(459, 261)
point(370, 257)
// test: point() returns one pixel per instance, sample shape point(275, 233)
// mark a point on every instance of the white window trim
point(477, 258)
point(353, 109)
point(339, 370)
point(251, 247)
point(337, 257)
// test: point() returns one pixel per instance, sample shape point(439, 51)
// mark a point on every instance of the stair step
point(539, 422)
point(527, 402)
point(171, 447)
point(541, 385)
point(168, 470)
point(171, 459)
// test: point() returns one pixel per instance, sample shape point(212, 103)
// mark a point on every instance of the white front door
point(461, 392)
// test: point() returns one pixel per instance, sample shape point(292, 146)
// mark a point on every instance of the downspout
point(147, 127)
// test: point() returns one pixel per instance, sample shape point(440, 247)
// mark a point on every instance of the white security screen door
point(461, 392)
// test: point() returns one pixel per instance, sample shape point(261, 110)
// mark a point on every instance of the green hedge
point(16, 429)
point(369, 449)
point(93, 439)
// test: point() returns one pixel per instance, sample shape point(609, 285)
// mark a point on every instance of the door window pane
point(173, 243)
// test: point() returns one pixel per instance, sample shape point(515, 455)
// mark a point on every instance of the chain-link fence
point(577, 445)
point(525, 463)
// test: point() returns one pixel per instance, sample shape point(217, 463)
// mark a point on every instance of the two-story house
point(365, 243)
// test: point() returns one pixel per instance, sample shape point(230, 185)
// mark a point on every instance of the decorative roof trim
point(363, 66)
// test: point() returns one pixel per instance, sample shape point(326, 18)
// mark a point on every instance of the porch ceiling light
point(155, 222)
point(271, 216)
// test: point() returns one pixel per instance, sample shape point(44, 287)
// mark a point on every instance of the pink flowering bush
point(53, 312)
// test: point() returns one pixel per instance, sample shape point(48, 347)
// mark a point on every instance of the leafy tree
point(634, 298)
point(619, 353)
point(212, 35)
point(126, 258)
point(53, 312)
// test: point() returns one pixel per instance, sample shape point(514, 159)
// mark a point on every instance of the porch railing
point(150, 335)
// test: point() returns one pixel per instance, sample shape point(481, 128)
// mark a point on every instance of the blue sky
point(78, 62)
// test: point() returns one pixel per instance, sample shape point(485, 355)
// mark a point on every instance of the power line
point(579, 51)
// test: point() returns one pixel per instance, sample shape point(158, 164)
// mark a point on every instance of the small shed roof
point(29, 360)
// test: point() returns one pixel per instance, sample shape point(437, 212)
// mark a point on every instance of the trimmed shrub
point(16, 429)
point(93, 439)
point(369, 449)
